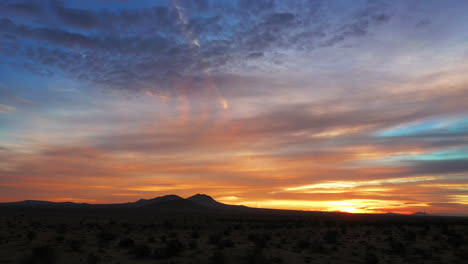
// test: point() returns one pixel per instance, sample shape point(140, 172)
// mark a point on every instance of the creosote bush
point(93, 258)
point(217, 257)
point(142, 251)
point(75, 244)
point(126, 243)
point(174, 247)
point(105, 237)
point(371, 258)
point(331, 237)
point(41, 255)
point(31, 235)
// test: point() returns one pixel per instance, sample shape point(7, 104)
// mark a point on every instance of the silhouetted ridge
point(161, 199)
point(208, 202)
point(205, 200)
point(421, 213)
point(44, 204)
point(175, 205)
point(392, 213)
point(198, 202)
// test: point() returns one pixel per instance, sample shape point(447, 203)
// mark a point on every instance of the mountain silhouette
point(420, 213)
point(161, 199)
point(175, 205)
point(207, 201)
point(198, 202)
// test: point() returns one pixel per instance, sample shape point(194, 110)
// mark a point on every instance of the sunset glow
point(351, 106)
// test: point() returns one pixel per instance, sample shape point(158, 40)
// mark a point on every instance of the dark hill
point(206, 201)
point(198, 202)
point(161, 199)
point(175, 205)
point(420, 214)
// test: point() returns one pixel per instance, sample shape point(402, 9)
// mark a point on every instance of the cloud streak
point(134, 49)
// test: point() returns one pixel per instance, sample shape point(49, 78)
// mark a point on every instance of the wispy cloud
point(6, 108)
point(102, 46)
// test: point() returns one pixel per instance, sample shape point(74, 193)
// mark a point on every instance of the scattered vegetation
point(221, 239)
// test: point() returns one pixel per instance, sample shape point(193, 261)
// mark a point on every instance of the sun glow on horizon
point(348, 206)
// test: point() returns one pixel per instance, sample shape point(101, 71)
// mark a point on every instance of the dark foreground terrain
point(184, 233)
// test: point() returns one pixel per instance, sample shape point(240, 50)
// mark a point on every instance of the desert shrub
point(41, 255)
point(421, 252)
point(217, 257)
point(105, 237)
point(31, 235)
point(36, 224)
point(455, 240)
point(27, 260)
point(168, 224)
point(174, 247)
point(255, 257)
point(159, 253)
point(260, 240)
point(343, 228)
point(397, 248)
point(62, 228)
point(317, 248)
point(75, 244)
point(461, 254)
point(277, 259)
point(195, 235)
point(126, 243)
point(331, 237)
point(193, 244)
point(111, 222)
point(142, 251)
point(410, 235)
point(93, 258)
point(371, 258)
point(226, 243)
point(214, 239)
point(302, 244)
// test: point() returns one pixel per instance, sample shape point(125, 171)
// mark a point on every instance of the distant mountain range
point(170, 203)
point(198, 202)
point(415, 214)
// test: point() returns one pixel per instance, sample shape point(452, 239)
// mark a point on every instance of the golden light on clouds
point(223, 102)
point(347, 205)
point(460, 198)
point(352, 184)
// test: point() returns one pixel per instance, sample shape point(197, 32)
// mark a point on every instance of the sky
point(355, 106)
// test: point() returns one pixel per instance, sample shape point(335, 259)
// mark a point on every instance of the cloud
point(6, 108)
point(439, 166)
point(130, 49)
point(279, 18)
point(32, 8)
point(75, 17)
